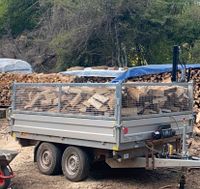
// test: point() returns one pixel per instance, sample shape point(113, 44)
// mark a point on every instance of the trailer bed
point(123, 124)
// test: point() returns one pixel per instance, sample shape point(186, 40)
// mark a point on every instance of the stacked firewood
point(145, 100)
point(7, 80)
point(142, 100)
point(166, 77)
point(149, 102)
point(82, 100)
point(93, 79)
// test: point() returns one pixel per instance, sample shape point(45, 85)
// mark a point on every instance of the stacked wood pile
point(93, 80)
point(7, 79)
point(166, 77)
point(145, 100)
point(83, 100)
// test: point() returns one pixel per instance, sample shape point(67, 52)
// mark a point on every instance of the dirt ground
point(28, 176)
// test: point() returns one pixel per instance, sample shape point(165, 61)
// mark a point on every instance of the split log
point(92, 101)
point(100, 98)
point(76, 100)
point(129, 112)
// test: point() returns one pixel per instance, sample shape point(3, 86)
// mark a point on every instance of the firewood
point(86, 103)
point(160, 100)
point(34, 101)
point(76, 100)
point(83, 109)
point(157, 92)
point(100, 98)
point(111, 103)
point(129, 111)
point(103, 109)
point(46, 102)
point(198, 117)
point(136, 93)
point(95, 103)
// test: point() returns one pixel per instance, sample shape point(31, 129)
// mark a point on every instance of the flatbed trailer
point(148, 135)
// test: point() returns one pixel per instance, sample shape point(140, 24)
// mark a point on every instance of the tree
point(19, 15)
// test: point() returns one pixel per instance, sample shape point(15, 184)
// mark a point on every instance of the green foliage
point(121, 32)
point(22, 15)
point(19, 15)
point(3, 13)
point(111, 32)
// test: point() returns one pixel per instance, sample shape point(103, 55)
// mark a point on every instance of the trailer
point(127, 125)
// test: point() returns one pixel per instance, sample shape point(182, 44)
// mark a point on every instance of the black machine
point(176, 62)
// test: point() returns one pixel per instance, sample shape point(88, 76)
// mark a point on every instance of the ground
point(28, 176)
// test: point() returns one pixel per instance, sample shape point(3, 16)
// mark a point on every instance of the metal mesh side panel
point(77, 100)
point(36, 99)
point(97, 101)
point(148, 100)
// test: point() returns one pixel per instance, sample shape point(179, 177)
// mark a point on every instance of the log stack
point(79, 100)
point(166, 77)
point(140, 100)
point(143, 100)
point(7, 79)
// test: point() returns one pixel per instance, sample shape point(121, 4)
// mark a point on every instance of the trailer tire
point(4, 183)
point(48, 159)
point(75, 164)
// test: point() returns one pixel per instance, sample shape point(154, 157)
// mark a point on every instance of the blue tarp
point(150, 69)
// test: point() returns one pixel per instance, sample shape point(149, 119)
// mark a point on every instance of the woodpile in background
point(7, 79)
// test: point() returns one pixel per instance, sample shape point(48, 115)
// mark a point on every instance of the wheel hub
point(72, 164)
point(46, 159)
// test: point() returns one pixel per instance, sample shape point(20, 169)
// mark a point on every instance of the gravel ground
point(101, 177)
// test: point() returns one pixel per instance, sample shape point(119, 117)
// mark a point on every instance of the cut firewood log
point(103, 109)
point(196, 130)
point(83, 109)
point(160, 100)
point(55, 102)
point(95, 103)
point(198, 117)
point(129, 111)
point(100, 98)
point(111, 103)
point(46, 102)
point(86, 103)
point(158, 92)
point(76, 100)
point(136, 93)
point(34, 101)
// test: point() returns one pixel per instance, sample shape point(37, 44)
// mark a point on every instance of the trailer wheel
point(75, 164)
point(4, 183)
point(48, 159)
